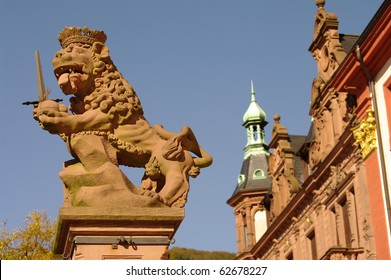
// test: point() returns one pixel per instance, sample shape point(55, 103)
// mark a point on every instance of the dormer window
point(259, 174)
point(241, 179)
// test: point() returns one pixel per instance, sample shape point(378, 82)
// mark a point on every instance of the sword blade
point(42, 91)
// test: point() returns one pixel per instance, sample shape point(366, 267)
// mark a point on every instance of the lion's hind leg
point(175, 188)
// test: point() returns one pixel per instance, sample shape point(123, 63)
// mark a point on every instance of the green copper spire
point(252, 92)
point(254, 112)
point(254, 122)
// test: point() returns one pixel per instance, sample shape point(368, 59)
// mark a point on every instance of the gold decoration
point(365, 134)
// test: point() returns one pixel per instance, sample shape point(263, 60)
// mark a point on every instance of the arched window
point(241, 179)
point(255, 133)
point(260, 224)
point(259, 174)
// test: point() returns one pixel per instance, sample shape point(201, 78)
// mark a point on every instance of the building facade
point(329, 193)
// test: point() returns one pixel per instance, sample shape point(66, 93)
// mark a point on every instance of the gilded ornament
point(365, 134)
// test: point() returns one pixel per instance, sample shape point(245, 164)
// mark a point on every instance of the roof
point(297, 141)
point(254, 112)
point(348, 41)
point(253, 175)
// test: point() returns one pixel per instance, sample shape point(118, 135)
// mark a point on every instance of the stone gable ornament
point(105, 127)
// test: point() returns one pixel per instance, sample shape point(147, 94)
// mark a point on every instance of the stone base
point(116, 233)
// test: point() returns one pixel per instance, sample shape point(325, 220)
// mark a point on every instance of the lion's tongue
point(63, 79)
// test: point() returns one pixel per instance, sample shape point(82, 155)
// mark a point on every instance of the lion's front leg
point(57, 120)
point(45, 113)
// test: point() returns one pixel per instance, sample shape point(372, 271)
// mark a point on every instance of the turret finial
point(252, 91)
point(320, 3)
point(277, 118)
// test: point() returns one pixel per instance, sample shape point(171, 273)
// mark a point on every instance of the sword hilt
point(37, 102)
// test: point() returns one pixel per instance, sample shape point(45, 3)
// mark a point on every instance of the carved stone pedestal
point(116, 233)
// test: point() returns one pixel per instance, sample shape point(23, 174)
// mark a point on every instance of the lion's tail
point(185, 139)
point(204, 160)
point(200, 162)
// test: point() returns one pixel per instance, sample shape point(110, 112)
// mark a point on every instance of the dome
point(254, 111)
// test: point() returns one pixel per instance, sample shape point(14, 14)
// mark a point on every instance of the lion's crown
point(82, 35)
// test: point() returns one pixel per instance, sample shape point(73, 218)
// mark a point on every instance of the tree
point(34, 241)
point(177, 253)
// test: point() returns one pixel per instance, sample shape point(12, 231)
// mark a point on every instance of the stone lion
point(106, 128)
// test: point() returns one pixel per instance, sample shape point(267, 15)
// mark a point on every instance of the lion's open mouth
point(75, 68)
point(70, 77)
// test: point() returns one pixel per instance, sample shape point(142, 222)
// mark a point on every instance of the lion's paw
point(150, 194)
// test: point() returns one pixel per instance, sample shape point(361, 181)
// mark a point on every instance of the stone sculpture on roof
point(105, 127)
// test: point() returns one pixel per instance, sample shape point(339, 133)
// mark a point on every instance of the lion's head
point(84, 69)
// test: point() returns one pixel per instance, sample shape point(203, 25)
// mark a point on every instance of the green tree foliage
point(33, 241)
point(177, 253)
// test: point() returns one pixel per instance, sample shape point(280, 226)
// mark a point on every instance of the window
point(334, 229)
point(312, 245)
point(387, 98)
point(289, 256)
point(346, 223)
point(348, 220)
point(255, 133)
point(260, 223)
point(241, 179)
point(259, 174)
point(245, 236)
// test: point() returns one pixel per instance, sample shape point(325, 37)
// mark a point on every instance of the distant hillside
point(177, 253)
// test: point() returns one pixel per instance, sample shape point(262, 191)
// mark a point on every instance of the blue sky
point(190, 62)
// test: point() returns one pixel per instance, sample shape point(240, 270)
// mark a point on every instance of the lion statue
point(106, 128)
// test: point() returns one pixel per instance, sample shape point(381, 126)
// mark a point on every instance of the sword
point(42, 91)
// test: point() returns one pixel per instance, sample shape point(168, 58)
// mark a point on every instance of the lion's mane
point(113, 95)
